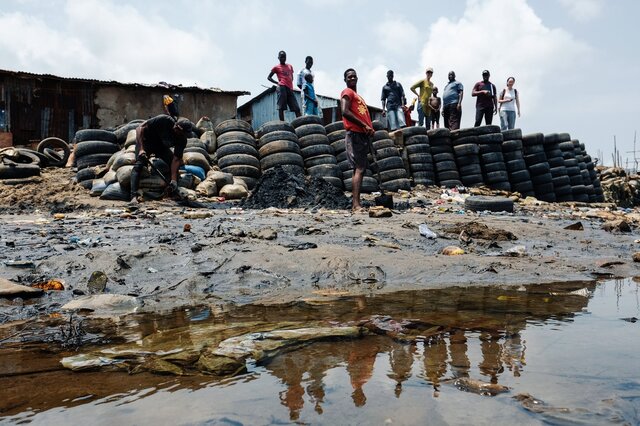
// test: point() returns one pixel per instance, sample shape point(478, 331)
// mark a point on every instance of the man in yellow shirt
point(426, 88)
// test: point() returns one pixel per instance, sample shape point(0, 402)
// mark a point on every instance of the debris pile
point(285, 188)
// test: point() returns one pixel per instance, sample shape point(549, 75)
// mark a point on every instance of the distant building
point(263, 108)
point(36, 106)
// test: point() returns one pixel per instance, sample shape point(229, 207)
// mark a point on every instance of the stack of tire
point(536, 160)
point(335, 135)
point(94, 147)
point(418, 152)
point(560, 178)
point(278, 146)
point(579, 188)
point(598, 195)
point(467, 153)
point(494, 169)
point(318, 155)
point(444, 161)
point(519, 176)
point(236, 150)
point(388, 166)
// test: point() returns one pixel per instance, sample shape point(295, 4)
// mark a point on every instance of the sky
point(567, 56)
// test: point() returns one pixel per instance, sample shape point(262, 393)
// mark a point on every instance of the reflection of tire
point(19, 171)
point(95, 135)
point(484, 203)
point(59, 146)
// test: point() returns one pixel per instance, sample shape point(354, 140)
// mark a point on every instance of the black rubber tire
point(512, 145)
point(495, 167)
point(387, 152)
point(510, 135)
point(320, 159)
point(315, 139)
point(479, 203)
point(383, 143)
point(95, 135)
point(315, 150)
point(18, 171)
point(281, 158)
point(278, 135)
point(417, 139)
point(338, 146)
point(57, 145)
point(331, 170)
point(369, 185)
point(238, 160)
point(243, 170)
point(233, 125)
point(334, 127)
point(380, 134)
point(396, 185)
point(278, 146)
point(274, 126)
point(310, 129)
point(390, 163)
point(234, 136)
point(307, 119)
point(418, 149)
point(236, 148)
point(466, 149)
point(92, 160)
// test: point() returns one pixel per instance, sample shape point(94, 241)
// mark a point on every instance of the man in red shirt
point(357, 123)
point(284, 72)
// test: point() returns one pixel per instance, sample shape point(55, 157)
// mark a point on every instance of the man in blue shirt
point(452, 102)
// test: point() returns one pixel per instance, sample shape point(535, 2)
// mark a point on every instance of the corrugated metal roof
point(163, 85)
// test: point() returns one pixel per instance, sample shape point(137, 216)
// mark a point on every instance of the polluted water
point(539, 354)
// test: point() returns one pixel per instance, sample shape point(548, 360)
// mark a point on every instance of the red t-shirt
point(359, 108)
point(285, 75)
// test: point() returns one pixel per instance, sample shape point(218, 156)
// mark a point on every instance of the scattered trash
point(575, 227)
point(426, 232)
point(452, 251)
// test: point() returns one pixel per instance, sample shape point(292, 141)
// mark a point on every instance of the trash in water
point(426, 232)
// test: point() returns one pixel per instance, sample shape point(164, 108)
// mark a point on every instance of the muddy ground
point(52, 229)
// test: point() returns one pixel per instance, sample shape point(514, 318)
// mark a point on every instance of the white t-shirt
point(509, 94)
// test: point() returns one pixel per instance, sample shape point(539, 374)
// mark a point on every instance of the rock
point(10, 289)
point(103, 303)
point(97, 282)
point(219, 365)
point(380, 212)
point(452, 251)
point(619, 225)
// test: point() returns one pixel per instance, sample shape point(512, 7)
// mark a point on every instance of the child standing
point(310, 106)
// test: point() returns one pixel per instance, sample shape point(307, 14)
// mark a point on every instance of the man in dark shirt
point(393, 99)
point(486, 102)
point(156, 136)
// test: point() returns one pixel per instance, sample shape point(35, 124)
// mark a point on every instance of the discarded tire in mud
point(317, 153)
point(237, 151)
point(56, 150)
point(480, 203)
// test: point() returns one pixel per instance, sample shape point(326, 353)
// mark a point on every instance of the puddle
point(544, 354)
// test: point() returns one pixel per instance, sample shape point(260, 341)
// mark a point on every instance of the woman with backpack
point(509, 102)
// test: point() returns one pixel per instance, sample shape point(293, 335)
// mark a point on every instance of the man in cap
point(486, 100)
point(426, 88)
point(156, 136)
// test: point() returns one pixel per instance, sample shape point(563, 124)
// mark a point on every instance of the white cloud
point(507, 38)
point(583, 10)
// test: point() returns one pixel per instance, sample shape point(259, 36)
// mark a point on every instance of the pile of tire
point(580, 188)
point(418, 155)
point(519, 176)
point(236, 150)
point(318, 155)
point(444, 161)
point(560, 178)
point(335, 135)
point(467, 154)
point(94, 147)
point(278, 146)
point(388, 164)
point(598, 195)
point(536, 159)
